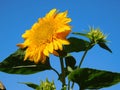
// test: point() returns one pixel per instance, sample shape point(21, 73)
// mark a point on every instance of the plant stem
point(81, 61)
point(83, 57)
point(63, 72)
point(68, 85)
point(55, 71)
point(72, 86)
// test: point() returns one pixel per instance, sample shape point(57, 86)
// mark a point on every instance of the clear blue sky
point(16, 16)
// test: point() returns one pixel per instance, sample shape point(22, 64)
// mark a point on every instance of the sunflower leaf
point(76, 45)
point(88, 78)
point(70, 61)
point(80, 34)
point(29, 84)
point(104, 46)
point(15, 64)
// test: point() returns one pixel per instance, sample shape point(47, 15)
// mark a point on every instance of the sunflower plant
point(49, 36)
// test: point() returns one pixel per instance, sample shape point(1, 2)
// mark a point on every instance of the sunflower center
point(44, 33)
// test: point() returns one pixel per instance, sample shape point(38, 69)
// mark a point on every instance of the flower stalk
point(63, 72)
point(81, 61)
point(55, 71)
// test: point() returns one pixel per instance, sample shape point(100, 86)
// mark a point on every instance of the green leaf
point(70, 61)
point(81, 34)
point(14, 64)
point(104, 46)
point(29, 84)
point(88, 78)
point(76, 45)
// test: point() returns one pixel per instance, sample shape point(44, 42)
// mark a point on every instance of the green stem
point(83, 57)
point(81, 61)
point(63, 72)
point(72, 86)
point(68, 85)
point(55, 71)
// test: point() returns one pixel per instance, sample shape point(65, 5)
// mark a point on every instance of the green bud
point(46, 85)
point(96, 36)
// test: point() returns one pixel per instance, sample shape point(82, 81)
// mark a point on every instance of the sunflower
point(46, 36)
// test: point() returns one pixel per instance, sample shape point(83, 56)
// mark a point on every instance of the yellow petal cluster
point(46, 36)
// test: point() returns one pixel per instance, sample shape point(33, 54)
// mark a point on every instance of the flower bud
point(96, 36)
point(46, 85)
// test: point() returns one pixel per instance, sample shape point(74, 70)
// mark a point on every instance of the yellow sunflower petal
point(64, 28)
point(63, 34)
point(21, 45)
point(55, 46)
point(51, 13)
point(50, 46)
point(59, 44)
point(37, 57)
point(46, 51)
point(62, 15)
point(64, 42)
point(26, 34)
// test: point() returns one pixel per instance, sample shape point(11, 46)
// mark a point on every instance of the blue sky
point(16, 16)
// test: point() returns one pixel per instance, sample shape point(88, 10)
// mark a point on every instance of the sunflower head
point(46, 36)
